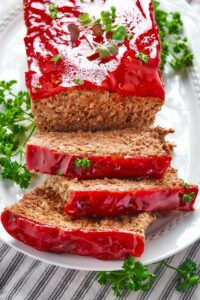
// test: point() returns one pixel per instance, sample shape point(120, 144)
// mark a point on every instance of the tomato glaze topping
point(123, 73)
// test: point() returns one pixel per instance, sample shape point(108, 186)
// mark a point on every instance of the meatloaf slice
point(115, 197)
point(116, 154)
point(39, 221)
point(72, 86)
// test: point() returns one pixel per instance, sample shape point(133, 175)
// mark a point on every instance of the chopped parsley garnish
point(78, 81)
point(85, 19)
point(176, 50)
point(16, 127)
point(119, 34)
point(57, 58)
point(82, 163)
point(53, 10)
point(134, 276)
point(113, 12)
point(142, 56)
point(188, 197)
point(107, 50)
point(60, 173)
point(37, 86)
point(186, 185)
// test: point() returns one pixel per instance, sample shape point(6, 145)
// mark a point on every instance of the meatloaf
point(115, 197)
point(39, 221)
point(83, 75)
point(89, 155)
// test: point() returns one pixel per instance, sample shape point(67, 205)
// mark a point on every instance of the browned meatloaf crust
point(94, 110)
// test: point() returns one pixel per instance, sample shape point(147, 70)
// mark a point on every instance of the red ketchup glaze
point(103, 245)
point(43, 160)
point(116, 203)
point(124, 73)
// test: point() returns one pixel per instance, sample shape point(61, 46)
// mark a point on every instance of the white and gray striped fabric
point(23, 278)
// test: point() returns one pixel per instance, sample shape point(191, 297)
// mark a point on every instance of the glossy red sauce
point(116, 203)
point(43, 160)
point(125, 73)
point(103, 245)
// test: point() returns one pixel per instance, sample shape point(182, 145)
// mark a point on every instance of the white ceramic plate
point(181, 112)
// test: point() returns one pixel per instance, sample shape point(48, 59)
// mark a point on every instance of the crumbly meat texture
point(94, 110)
point(116, 142)
point(66, 186)
point(46, 207)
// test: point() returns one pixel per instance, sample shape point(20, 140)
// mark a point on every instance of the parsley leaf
point(82, 163)
point(85, 19)
point(134, 276)
point(143, 57)
point(16, 126)
point(53, 10)
point(176, 51)
point(78, 81)
point(56, 58)
point(187, 275)
point(188, 197)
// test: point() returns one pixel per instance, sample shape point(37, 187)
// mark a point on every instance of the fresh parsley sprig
point(134, 276)
point(16, 123)
point(176, 51)
point(187, 276)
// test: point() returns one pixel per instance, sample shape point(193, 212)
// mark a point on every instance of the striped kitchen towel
point(23, 278)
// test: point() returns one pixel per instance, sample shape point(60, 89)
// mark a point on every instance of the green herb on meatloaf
point(82, 163)
point(115, 33)
point(186, 185)
point(188, 197)
point(142, 56)
point(16, 123)
point(107, 51)
point(78, 81)
point(176, 51)
point(53, 10)
point(37, 86)
point(134, 276)
point(56, 58)
point(60, 173)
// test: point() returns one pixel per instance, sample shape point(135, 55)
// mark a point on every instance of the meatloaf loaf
point(115, 197)
point(39, 221)
point(83, 75)
point(89, 155)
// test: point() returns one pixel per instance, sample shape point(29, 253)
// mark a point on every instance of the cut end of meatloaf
point(45, 206)
point(117, 142)
point(94, 110)
point(63, 185)
point(39, 221)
